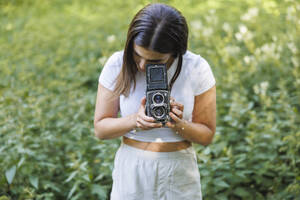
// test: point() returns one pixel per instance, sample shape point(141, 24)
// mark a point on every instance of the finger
point(146, 118)
point(170, 125)
point(174, 117)
point(143, 102)
point(141, 126)
point(148, 125)
point(142, 112)
point(176, 104)
point(177, 112)
point(138, 125)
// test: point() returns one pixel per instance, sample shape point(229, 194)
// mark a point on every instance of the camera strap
point(177, 72)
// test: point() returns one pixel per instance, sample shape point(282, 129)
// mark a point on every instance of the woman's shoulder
point(116, 58)
point(113, 65)
point(190, 55)
point(111, 69)
point(118, 54)
point(199, 72)
point(192, 60)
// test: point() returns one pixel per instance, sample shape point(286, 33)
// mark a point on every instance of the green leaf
point(100, 191)
point(21, 162)
point(221, 183)
point(206, 151)
point(86, 178)
point(10, 174)
point(99, 177)
point(4, 198)
point(72, 191)
point(241, 192)
point(221, 197)
point(34, 181)
point(73, 174)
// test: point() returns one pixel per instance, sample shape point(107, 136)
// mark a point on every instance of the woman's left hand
point(176, 113)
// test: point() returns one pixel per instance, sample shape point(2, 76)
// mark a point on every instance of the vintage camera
point(157, 93)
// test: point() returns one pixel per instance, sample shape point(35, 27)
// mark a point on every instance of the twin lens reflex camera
point(157, 93)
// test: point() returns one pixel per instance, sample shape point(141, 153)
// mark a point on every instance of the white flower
point(291, 11)
point(238, 36)
point(261, 88)
point(244, 33)
point(197, 24)
point(226, 27)
point(253, 12)
point(257, 52)
point(243, 29)
point(207, 31)
point(247, 59)
point(292, 47)
point(232, 50)
point(264, 85)
point(111, 38)
point(270, 50)
point(211, 19)
point(250, 14)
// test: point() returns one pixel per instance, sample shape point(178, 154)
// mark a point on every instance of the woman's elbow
point(206, 143)
point(208, 139)
point(99, 134)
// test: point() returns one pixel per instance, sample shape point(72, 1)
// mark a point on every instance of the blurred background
point(52, 52)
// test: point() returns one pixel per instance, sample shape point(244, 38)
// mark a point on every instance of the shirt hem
point(155, 140)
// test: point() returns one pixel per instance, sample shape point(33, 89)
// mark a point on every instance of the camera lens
point(158, 98)
point(159, 111)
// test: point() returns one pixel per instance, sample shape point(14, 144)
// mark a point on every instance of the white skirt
point(147, 175)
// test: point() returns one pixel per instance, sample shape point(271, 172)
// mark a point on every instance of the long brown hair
point(157, 27)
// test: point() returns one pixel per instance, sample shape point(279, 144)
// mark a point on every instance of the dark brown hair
point(156, 27)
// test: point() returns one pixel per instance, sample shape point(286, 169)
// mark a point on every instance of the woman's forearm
point(109, 128)
point(195, 132)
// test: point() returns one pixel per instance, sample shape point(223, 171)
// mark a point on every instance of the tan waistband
point(157, 146)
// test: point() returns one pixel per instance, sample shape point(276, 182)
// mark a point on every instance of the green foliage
point(51, 54)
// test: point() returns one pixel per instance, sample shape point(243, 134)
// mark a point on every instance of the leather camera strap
point(177, 72)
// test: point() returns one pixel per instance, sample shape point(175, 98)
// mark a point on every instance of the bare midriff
point(157, 146)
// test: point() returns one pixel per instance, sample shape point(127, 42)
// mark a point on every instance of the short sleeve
point(111, 70)
point(204, 78)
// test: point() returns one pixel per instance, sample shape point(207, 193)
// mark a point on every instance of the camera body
point(157, 93)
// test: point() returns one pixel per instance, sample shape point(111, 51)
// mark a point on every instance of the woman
point(156, 161)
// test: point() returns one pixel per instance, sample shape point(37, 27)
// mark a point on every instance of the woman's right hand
point(143, 121)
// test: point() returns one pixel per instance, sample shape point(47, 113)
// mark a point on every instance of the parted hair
point(156, 27)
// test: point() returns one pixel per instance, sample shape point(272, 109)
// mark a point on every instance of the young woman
point(156, 161)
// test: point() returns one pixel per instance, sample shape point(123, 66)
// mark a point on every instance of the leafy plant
point(51, 56)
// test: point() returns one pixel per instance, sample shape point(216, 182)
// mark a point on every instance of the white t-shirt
point(194, 79)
